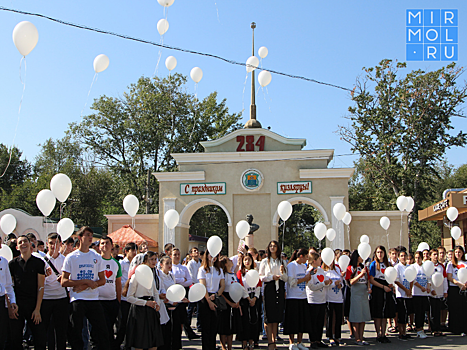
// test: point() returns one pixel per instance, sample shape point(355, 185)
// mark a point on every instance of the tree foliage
point(401, 127)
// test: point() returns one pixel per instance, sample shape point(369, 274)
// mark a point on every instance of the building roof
point(126, 234)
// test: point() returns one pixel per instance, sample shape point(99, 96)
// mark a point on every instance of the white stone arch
point(306, 200)
point(193, 206)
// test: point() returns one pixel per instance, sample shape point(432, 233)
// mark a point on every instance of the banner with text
point(293, 187)
point(214, 188)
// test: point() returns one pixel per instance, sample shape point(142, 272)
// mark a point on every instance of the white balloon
point(385, 222)
point(131, 205)
point(331, 234)
point(6, 252)
point(462, 275)
point(214, 245)
point(339, 211)
point(65, 228)
point(364, 239)
point(144, 276)
point(410, 273)
point(171, 63)
point(402, 203)
point(252, 63)
point(8, 223)
point(284, 209)
point(343, 262)
point(236, 292)
point(60, 185)
point(25, 37)
point(437, 279)
point(327, 255)
point(456, 232)
point(175, 293)
point(410, 204)
point(165, 3)
point(162, 26)
point(196, 292)
point(320, 230)
point(364, 250)
point(171, 218)
point(452, 213)
point(196, 74)
point(101, 62)
point(252, 277)
point(391, 274)
point(428, 267)
point(263, 51)
point(347, 218)
point(242, 229)
point(45, 201)
point(423, 246)
point(264, 78)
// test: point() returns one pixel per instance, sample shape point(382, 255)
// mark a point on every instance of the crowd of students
point(86, 294)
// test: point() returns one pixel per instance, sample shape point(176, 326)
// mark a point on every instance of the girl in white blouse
point(457, 303)
point(212, 277)
point(143, 328)
point(273, 274)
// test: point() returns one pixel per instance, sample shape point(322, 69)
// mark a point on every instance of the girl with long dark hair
point(382, 303)
point(357, 275)
point(457, 302)
point(273, 274)
point(212, 277)
point(296, 304)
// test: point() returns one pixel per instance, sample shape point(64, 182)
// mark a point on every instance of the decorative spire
point(253, 123)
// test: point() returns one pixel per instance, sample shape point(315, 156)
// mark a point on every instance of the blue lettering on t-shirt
point(85, 275)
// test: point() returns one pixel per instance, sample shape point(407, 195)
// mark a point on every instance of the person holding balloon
point(420, 291)
point(143, 328)
point(457, 303)
point(212, 277)
point(316, 296)
point(274, 275)
point(296, 304)
point(334, 303)
point(359, 313)
point(382, 301)
point(439, 282)
point(404, 284)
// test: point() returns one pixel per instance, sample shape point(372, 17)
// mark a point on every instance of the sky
point(329, 41)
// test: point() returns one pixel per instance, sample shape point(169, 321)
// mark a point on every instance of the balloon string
point(400, 240)
point(133, 222)
point(194, 117)
point(62, 206)
point(243, 96)
point(160, 55)
point(348, 236)
point(89, 92)
point(19, 112)
point(387, 236)
point(217, 10)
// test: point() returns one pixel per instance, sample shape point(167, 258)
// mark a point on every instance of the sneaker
point(402, 338)
point(293, 347)
point(421, 335)
point(365, 343)
point(358, 343)
point(380, 340)
point(408, 337)
point(301, 346)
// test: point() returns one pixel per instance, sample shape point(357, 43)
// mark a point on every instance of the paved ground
point(448, 342)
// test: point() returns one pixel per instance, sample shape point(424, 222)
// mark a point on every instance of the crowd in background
point(87, 295)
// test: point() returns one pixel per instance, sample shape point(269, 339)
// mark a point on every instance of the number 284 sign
point(249, 143)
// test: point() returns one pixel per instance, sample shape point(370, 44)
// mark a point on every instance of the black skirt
point(346, 301)
point(274, 302)
point(296, 314)
point(250, 319)
point(229, 320)
point(143, 328)
point(382, 304)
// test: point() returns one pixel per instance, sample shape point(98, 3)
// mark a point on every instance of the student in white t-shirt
point(437, 294)
point(55, 304)
point(457, 302)
point(403, 295)
point(83, 271)
point(420, 291)
point(335, 303)
point(296, 305)
point(193, 267)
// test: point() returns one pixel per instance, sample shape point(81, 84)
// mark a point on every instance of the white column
point(169, 234)
point(338, 242)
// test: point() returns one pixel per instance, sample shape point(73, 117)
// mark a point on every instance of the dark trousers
point(190, 310)
point(402, 310)
point(208, 319)
point(420, 306)
point(56, 310)
point(172, 330)
point(316, 313)
point(334, 312)
point(3, 322)
point(93, 311)
point(435, 314)
point(111, 308)
point(25, 310)
point(122, 322)
point(457, 305)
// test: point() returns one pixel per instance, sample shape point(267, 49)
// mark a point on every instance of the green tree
point(154, 118)
point(401, 127)
point(13, 170)
point(208, 221)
